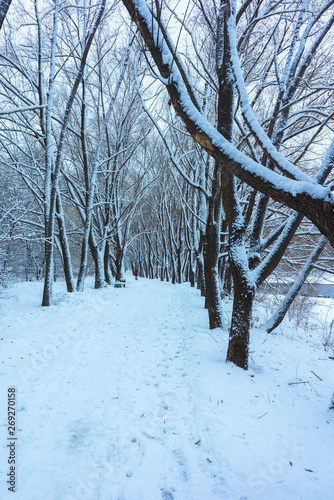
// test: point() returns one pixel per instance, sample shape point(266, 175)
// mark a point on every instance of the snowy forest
point(192, 140)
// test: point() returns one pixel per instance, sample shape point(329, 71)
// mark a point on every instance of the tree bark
point(243, 287)
point(211, 256)
point(65, 247)
point(119, 262)
point(238, 346)
point(4, 6)
point(107, 271)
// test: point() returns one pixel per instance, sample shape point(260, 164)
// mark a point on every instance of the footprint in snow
point(166, 495)
point(79, 433)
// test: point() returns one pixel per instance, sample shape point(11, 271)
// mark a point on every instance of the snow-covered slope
point(125, 394)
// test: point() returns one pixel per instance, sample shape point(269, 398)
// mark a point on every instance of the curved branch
point(303, 195)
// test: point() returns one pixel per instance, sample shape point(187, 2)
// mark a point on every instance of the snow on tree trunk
point(66, 255)
point(99, 270)
point(119, 263)
point(4, 6)
point(243, 285)
point(200, 274)
point(49, 224)
point(107, 270)
point(212, 283)
point(238, 346)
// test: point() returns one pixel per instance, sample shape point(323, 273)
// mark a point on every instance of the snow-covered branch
point(300, 193)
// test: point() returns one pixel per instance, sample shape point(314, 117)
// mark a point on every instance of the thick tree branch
point(305, 196)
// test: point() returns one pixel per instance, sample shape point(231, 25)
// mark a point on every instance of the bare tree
point(89, 36)
point(91, 186)
point(34, 98)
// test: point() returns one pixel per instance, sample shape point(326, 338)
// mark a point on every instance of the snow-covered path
point(125, 394)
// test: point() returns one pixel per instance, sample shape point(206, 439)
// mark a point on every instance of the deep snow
point(125, 394)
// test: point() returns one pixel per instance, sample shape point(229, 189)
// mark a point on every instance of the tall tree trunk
point(191, 271)
point(84, 258)
point(211, 256)
point(48, 208)
point(243, 286)
point(48, 279)
point(107, 270)
point(200, 274)
point(98, 257)
point(47, 293)
point(119, 262)
point(179, 265)
point(99, 269)
point(65, 247)
point(238, 346)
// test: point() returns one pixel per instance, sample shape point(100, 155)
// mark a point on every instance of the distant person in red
point(136, 273)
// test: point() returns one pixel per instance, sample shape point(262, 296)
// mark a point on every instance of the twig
point(211, 336)
point(314, 389)
point(263, 415)
point(316, 375)
point(305, 382)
